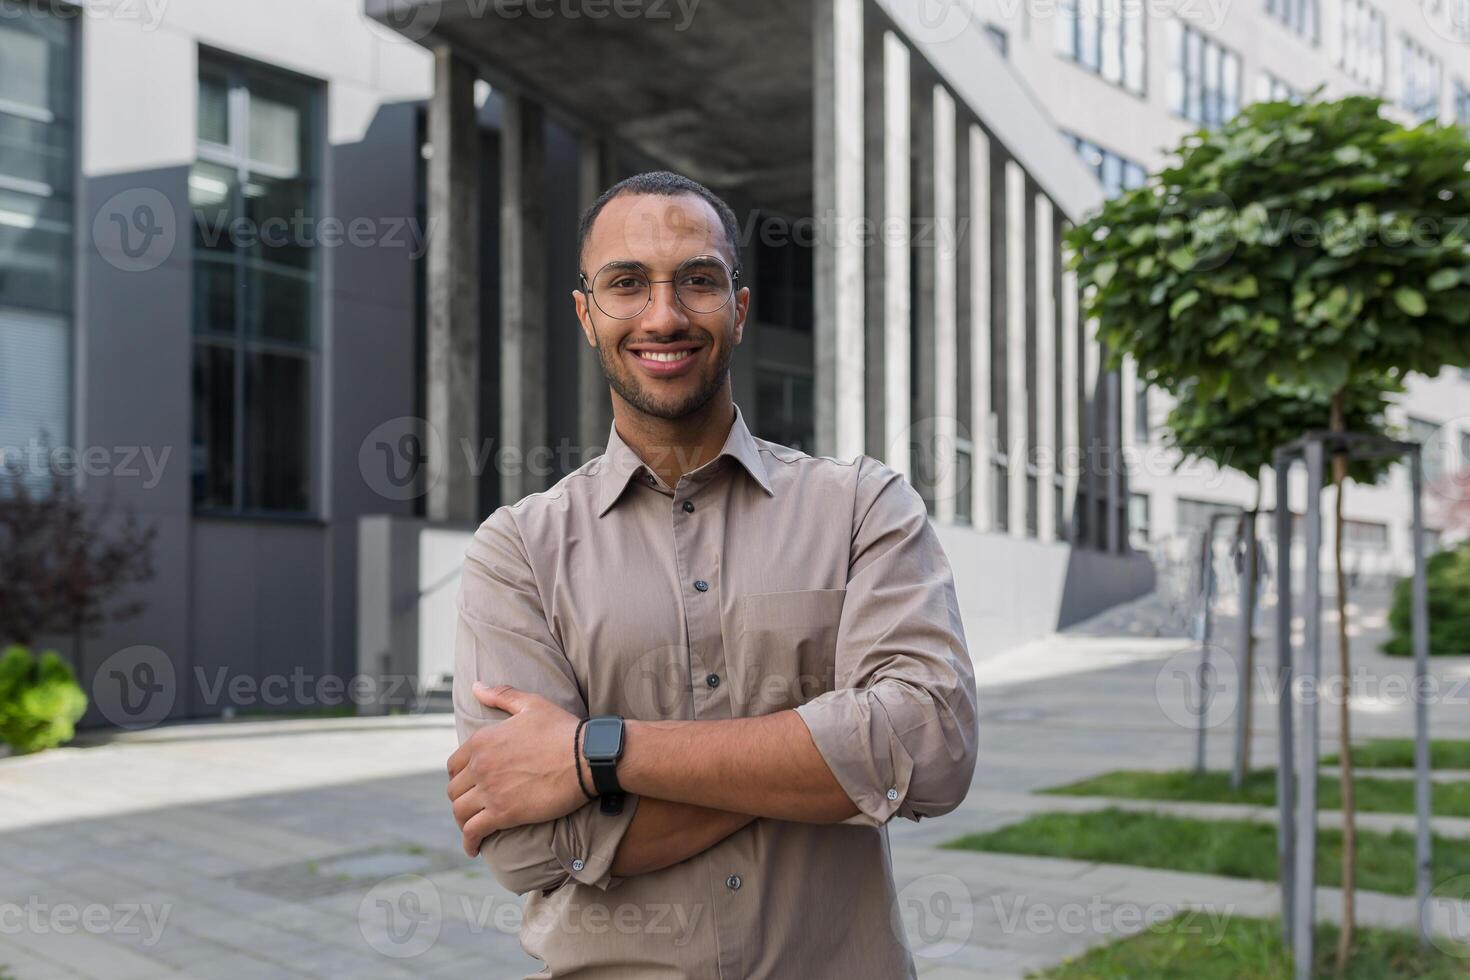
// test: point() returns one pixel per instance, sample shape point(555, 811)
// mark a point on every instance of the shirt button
point(688, 506)
point(733, 882)
point(713, 680)
point(578, 864)
point(700, 585)
point(892, 794)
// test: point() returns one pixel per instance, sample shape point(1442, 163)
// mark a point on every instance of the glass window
point(1363, 44)
point(36, 236)
point(998, 38)
point(1299, 15)
point(1142, 429)
point(1269, 88)
point(255, 294)
point(785, 408)
point(1104, 36)
point(1365, 535)
point(1427, 434)
point(1116, 173)
point(783, 292)
point(1462, 103)
point(1419, 92)
point(1194, 516)
point(1138, 520)
point(1204, 77)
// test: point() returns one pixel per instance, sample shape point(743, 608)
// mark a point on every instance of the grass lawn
point(1259, 789)
point(1398, 753)
point(1250, 949)
point(1232, 848)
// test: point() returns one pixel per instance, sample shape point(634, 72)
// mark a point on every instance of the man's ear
point(584, 317)
point(742, 309)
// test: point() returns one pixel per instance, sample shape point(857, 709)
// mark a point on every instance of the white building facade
point(1125, 80)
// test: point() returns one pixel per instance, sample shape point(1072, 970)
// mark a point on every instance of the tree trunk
point(1344, 736)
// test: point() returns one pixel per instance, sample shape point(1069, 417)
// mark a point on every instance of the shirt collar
point(621, 463)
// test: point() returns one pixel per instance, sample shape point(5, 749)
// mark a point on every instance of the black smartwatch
point(602, 746)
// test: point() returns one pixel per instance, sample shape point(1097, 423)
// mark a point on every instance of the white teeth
point(664, 356)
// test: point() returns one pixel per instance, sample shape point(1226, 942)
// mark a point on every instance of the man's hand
point(520, 771)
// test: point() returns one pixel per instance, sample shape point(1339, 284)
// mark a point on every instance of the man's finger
point(502, 696)
point(461, 784)
point(466, 807)
point(480, 826)
point(459, 760)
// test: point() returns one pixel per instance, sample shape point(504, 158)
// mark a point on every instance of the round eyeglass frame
point(734, 288)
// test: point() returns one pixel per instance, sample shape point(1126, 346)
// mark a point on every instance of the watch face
point(604, 739)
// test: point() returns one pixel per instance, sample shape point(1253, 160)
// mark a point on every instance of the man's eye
point(627, 282)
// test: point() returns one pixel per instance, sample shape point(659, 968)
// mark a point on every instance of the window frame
point(241, 343)
point(1094, 34)
point(68, 199)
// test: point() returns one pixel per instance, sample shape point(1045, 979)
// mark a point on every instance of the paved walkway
point(326, 849)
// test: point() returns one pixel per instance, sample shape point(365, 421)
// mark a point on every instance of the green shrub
point(1448, 576)
point(40, 700)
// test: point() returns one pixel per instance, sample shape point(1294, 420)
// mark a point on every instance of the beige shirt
point(766, 579)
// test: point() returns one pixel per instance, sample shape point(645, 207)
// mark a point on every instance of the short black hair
point(662, 183)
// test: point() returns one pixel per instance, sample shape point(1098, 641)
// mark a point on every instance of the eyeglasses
point(622, 290)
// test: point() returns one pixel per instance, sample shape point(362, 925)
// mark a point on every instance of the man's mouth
point(664, 357)
point(667, 360)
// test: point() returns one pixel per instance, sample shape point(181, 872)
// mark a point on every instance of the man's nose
point(664, 309)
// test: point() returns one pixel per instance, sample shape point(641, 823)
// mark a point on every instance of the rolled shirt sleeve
point(503, 638)
point(900, 730)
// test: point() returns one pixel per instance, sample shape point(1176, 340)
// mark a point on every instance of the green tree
point(1244, 438)
point(1315, 246)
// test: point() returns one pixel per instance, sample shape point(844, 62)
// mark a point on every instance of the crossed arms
point(897, 735)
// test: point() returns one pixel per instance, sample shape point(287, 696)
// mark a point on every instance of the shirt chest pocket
point(786, 651)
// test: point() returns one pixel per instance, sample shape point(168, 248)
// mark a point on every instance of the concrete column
point(897, 249)
point(982, 506)
point(1046, 394)
point(594, 402)
point(453, 286)
point(523, 375)
point(922, 407)
point(875, 431)
point(1070, 454)
point(946, 378)
point(838, 193)
point(1017, 451)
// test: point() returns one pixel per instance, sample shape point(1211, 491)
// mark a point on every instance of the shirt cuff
point(852, 732)
point(586, 841)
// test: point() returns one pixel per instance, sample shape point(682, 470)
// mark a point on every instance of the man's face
point(660, 234)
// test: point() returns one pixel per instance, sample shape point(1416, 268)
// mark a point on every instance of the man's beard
point(630, 391)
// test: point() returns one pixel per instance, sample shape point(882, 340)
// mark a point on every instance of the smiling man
point(696, 678)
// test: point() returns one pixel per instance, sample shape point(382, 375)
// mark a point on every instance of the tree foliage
point(1297, 245)
point(1245, 438)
